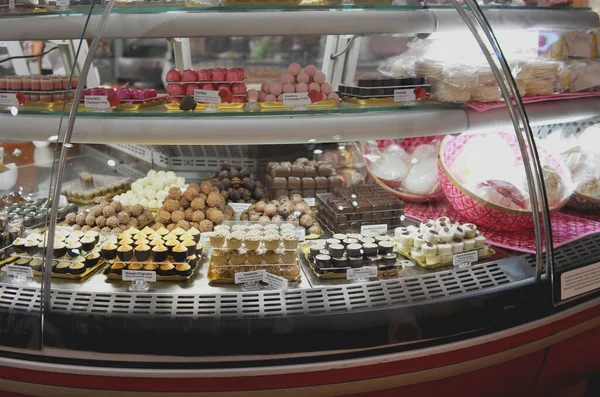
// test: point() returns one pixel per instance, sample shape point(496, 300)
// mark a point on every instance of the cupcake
point(127, 241)
point(117, 268)
point(138, 235)
point(36, 264)
point(192, 260)
point(219, 257)
point(92, 259)
point(125, 252)
point(237, 257)
point(60, 249)
point(178, 231)
point(156, 242)
point(179, 253)
point(166, 269)
point(62, 267)
point(162, 231)
point(272, 257)
point(195, 233)
point(76, 268)
point(252, 241)
point(234, 240)
point(271, 242)
point(19, 245)
point(183, 270)
point(217, 240)
point(160, 253)
point(170, 244)
point(135, 266)
point(23, 262)
point(151, 267)
point(191, 246)
point(88, 243)
point(141, 241)
point(109, 251)
point(289, 257)
point(74, 248)
point(31, 247)
point(254, 257)
point(123, 236)
point(142, 252)
point(224, 229)
point(93, 234)
point(147, 230)
point(290, 241)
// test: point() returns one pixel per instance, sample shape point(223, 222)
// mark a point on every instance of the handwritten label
point(19, 271)
point(301, 233)
point(296, 99)
point(97, 102)
point(207, 96)
point(379, 229)
point(239, 207)
point(9, 99)
point(275, 281)
point(465, 258)
point(361, 273)
point(138, 275)
point(249, 277)
point(310, 201)
point(404, 95)
point(579, 281)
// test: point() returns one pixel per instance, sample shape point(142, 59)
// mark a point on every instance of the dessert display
point(76, 255)
point(296, 80)
point(333, 257)
point(124, 98)
point(348, 162)
point(407, 168)
point(434, 243)
point(303, 177)
point(32, 212)
point(91, 186)
point(109, 216)
point(44, 89)
point(238, 185)
point(348, 209)
point(151, 190)
point(241, 247)
point(382, 90)
point(290, 209)
point(229, 82)
point(484, 179)
point(199, 206)
point(174, 255)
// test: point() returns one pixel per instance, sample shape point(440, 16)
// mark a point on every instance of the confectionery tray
point(82, 276)
point(76, 192)
point(47, 105)
point(225, 274)
point(280, 106)
point(194, 262)
point(370, 101)
point(130, 107)
point(173, 106)
point(444, 264)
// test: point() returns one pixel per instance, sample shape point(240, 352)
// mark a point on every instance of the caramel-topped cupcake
point(109, 251)
point(125, 252)
point(179, 252)
point(142, 252)
point(160, 253)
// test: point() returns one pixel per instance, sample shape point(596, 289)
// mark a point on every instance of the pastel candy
point(333, 96)
point(319, 77)
point(303, 77)
point(288, 88)
point(288, 78)
point(310, 70)
point(276, 89)
point(314, 86)
point(326, 88)
point(270, 98)
point(301, 87)
point(294, 68)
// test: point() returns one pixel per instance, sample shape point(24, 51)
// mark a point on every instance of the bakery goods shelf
point(253, 21)
point(342, 124)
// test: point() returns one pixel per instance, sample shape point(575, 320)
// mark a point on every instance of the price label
point(404, 95)
point(97, 102)
point(207, 96)
point(579, 281)
point(11, 4)
point(8, 99)
point(407, 263)
point(361, 273)
point(275, 281)
point(19, 271)
point(379, 229)
point(239, 207)
point(249, 277)
point(465, 258)
point(139, 275)
point(63, 3)
point(296, 99)
point(301, 233)
point(310, 201)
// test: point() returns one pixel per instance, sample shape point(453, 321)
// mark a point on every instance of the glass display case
point(200, 186)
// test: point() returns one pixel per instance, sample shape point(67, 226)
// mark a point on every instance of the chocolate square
point(325, 170)
point(272, 165)
point(310, 170)
point(281, 171)
point(308, 183)
point(335, 181)
point(344, 208)
point(362, 206)
point(295, 191)
point(308, 193)
point(280, 183)
point(321, 182)
point(297, 170)
point(321, 191)
point(280, 193)
point(294, 182)
point(379, 205)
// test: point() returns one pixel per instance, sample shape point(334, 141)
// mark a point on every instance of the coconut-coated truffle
point(137, 210)
point(214, 199)
point(205, 226)
point(157, 226)
point(123, 217)
point(215, 216)
point(142, 219)
point(184, 203)
point(177, 216)
point(174, 193)
point(71, 218)
point(106, 229)
point(132, 222)
point(188, 214)
point(171, 205)
point(198, 216)
point(163, 216)
point(190, 194)
point(108, 211)
point(112, 222)
point(86, 228)
point(90, 220)
point(171, 226)
point(101, 220)
point(185, 225)
point(117, 206)
point(194, 186)
point(198, 204)
point(80, 219)
point(205, 187)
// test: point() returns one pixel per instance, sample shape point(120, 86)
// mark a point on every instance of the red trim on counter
point(297, 379)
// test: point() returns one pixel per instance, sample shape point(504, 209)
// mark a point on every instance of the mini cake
point(170, 244)
point(254, 257)
point(219, 257)
point(183, 270)
point(76, 268)
point(272, 257)
point(237, 257)
point(19, 245)
point(31, 247)
point(125, 252)
point(74, 248)
point(217, 239)
point(135, 266)
point(252, 241)
point(160, 253)
point(289, 257)
point(62, 267)
point(166, 269)
point(234, 240)
point(92, 259)
point(151, 267)
point(290, 241)
point(191, 246)
point(60, 249)
point(88, 243)
point(271, 242)
point(36, 264)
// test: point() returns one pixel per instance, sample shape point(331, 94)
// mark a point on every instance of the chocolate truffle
point(281, 171)
point(321, 182)
point(325, 170)
point(280, 183)
point(297, 170)
point(294, 183)
point(310, 171)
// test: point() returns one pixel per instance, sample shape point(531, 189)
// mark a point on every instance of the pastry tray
point(384, 101)
point(100, 181)
point(293, 271)
point(201, 248)
point(328, 104)
point(252, 3)
point(333, 273)
point(438, 265)
point(129, 107)
point(88, 271)
point(174, 106)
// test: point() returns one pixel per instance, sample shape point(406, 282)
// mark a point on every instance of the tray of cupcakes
point(435, 243)
point(246, 246)
point(331, 258)
point(76, 254)
point(174, 255)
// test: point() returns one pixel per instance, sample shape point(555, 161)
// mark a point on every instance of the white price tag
point(11, 4)
point(249, 277)
point(296, 99)
point(579, 281)
point(9, 99)
point(310, 201)
point(19, 271)
point(405, 95)
point(138, 275)
point(407, 263)
point(361, 273)
point(275, 281)
point(465, 258)
point(207, 96)
point(97, 102)
point(301, 233)
point(63, 3)
point(239, 207)
point(379, 229)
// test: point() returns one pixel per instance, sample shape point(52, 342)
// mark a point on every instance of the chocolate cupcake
point(88, 243)
point(170, 245)
point(191, 247)
point(369, 249)
point(76, 268)
point(61, 267)
point(93, 234)
point(336, 250)
point(74, 248)
point(160, 253)
point(117, 268)
point(125, 252)
point(385, 247)
point(192, 260)
point(92, 259)
point(195, 233)
point(60, 249)
point(19, 245)
point(31, 247)
point(166, 269)
point(183, 270)
point(151, 267)
point(340, 262)
point(142, 252)
point(109, 251)
point(180, 252)
point(36, 264)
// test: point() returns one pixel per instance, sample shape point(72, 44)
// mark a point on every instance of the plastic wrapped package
point(486, 93)
point(428, 68)
point(539, 87)
point(448, 93)
point(460, 76)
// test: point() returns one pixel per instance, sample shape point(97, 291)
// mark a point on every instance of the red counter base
point(535, 359)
